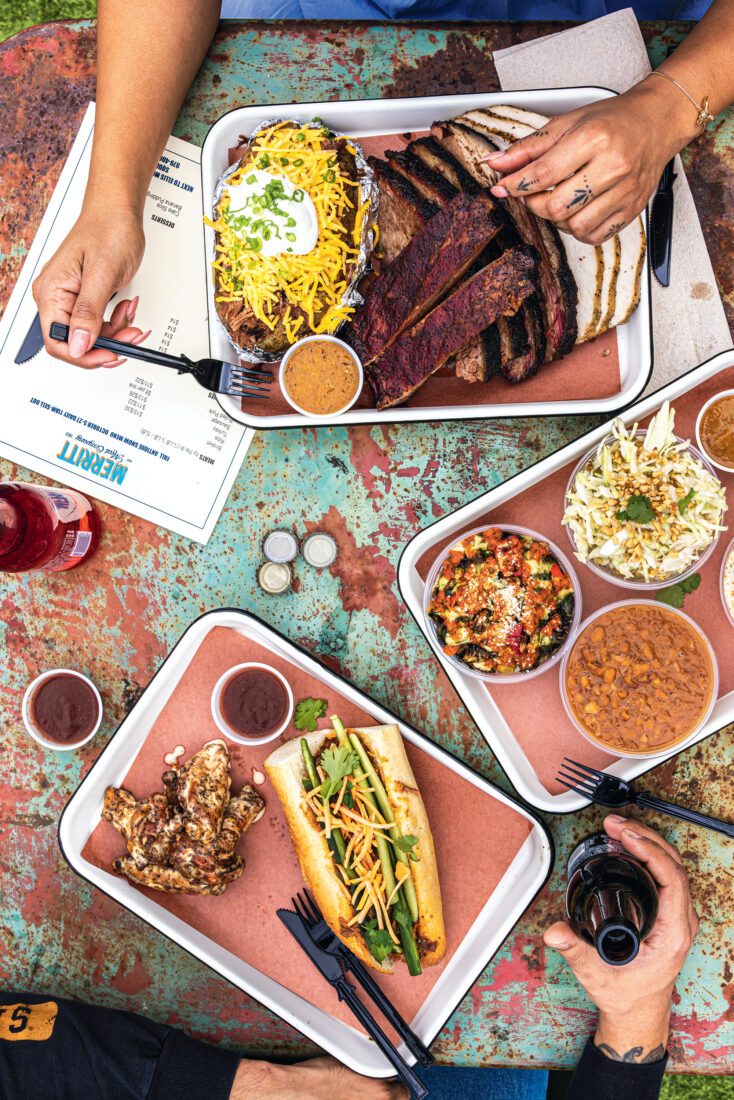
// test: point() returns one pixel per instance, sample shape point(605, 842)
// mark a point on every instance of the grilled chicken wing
point(171, 881)
point(183, 841)
point(201, 789)
point(148, 827)
point(206, 862)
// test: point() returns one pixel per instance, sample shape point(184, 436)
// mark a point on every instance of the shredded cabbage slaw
point(687, 502)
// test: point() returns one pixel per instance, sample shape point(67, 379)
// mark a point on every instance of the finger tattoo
point(526, 184)
point(614, 229)
point(581, 195)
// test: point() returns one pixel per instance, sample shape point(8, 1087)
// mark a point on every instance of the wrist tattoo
point(581, 195)
point(634, 1054)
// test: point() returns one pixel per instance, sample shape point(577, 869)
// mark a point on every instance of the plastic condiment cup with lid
point(606, 572)
point(31, 723)
point(501, 677)
point(221, 721)
point(699, 420)
point(726, 582)
point(665, 750)
point(332, 340)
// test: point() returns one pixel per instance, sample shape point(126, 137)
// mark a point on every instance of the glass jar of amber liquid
point(611, 898)
point(45, 528)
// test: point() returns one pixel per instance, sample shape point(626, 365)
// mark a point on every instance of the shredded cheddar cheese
point(311, 285)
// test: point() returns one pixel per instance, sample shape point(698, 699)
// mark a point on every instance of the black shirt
point(53, 1049)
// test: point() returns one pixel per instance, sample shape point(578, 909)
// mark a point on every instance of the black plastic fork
point(310, 914)
point(215, 375)
point(607, 790)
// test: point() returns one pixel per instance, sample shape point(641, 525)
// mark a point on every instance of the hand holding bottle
point(634, 1000)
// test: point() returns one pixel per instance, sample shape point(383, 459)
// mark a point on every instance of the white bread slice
point(384, 744)
point(588, 268)
point(612, 254)
point(519, 114)
point(633, 246)
point(509, 129)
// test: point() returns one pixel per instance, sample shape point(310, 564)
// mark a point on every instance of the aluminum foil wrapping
point(368, 192)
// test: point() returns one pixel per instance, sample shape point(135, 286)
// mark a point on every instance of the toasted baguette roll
point(384, 744)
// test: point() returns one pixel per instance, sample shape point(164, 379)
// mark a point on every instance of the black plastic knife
point(330, 968)
point(33, 342)
point(661, 226)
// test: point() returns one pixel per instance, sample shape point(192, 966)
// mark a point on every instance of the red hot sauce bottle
point(611, 898)
point(45, 528)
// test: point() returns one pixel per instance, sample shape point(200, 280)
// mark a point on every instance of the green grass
point(684, 1087)
point(15, 15)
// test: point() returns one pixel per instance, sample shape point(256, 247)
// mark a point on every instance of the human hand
point(317, 1079)
point(101, 254)
point(602, 161)
point(634, 1000)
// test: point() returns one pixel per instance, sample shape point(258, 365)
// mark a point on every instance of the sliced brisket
point(430, 265)
point(403, 212)
point(442, 161)
point(559, 293)
point(431, 185)
point(497, 290)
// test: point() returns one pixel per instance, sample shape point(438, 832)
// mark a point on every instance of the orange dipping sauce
point(321, 377)
point(717, 431)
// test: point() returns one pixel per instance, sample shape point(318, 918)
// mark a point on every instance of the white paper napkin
point(689, 323)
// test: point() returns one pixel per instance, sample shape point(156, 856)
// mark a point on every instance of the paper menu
point(140, 436)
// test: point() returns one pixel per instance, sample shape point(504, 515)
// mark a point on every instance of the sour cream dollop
point(272, 215)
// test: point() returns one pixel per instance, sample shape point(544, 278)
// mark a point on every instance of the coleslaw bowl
point(607, 573)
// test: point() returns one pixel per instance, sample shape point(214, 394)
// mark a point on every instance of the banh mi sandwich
point(293, 228)
point(363, 842)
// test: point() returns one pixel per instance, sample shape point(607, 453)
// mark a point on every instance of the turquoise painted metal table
point(372, 489)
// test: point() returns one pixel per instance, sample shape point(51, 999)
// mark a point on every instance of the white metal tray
point(525, 876)
point(473, 692)
point(375, 117)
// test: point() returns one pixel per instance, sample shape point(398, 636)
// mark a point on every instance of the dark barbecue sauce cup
point(62, 709)
point(252, 703)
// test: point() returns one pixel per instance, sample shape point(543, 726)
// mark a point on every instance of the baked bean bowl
point(639, 678)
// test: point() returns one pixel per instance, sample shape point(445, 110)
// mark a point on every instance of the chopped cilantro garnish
point(337, 761)
point(686, 500)
point(639, 510)
point(406, 843)
point(378, 940)
point(676, 593)
point(401, 915)
point(308, 712)
point(250, 179)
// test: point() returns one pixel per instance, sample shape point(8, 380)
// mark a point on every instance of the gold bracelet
point(704, 116)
